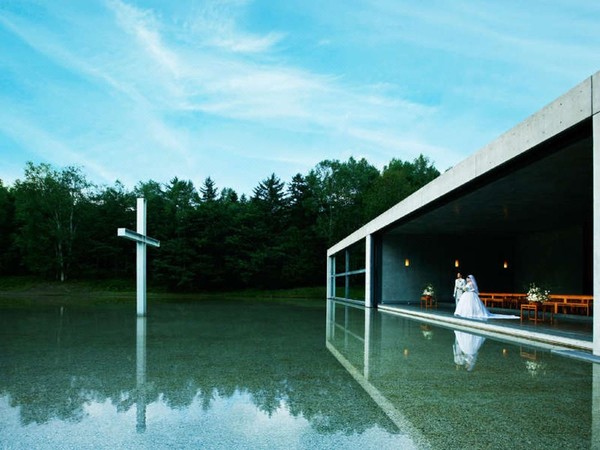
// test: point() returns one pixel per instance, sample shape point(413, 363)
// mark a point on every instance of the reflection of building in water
point(350, 337)
point(414, 381)
point(140, 357)
point(596, 407)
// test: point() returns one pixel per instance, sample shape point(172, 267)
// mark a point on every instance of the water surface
point(208, 374)
point(452, 389)
point(232, 374)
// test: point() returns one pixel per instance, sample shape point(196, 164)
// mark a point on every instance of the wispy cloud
point(248, 44)
point(214, 24)
point(49, 147)
point(179, 82)
point(144, 27)
point(508, 32)
point(269, 92)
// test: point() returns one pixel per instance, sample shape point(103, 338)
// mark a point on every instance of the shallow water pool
point(234, 374)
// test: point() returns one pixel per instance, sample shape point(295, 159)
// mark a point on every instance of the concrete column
point(330, 320)
point(330, 270)
point(369, 300)
point(596, 215)
point(347, 277)
point(369, 313)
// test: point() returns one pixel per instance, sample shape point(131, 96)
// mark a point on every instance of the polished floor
point(570, 331)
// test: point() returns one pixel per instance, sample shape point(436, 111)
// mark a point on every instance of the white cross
point(142, 241)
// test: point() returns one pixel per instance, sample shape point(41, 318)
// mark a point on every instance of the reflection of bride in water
point(466, 346)
point(470, 305)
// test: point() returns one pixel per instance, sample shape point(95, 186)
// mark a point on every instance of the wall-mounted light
point(456, 263)
point(505, 264)
point(407, 262)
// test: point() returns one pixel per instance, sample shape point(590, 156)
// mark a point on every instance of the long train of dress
point(470, 305)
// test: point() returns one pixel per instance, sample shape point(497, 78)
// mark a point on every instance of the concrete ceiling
point(552, 190)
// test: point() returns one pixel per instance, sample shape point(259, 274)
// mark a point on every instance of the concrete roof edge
point(596, 93)
point(576, 105)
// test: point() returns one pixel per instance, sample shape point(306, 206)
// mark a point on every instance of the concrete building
point(519, 210)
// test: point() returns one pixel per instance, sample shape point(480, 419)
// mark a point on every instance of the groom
point(459, 286)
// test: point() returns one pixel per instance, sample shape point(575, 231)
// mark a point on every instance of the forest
point(57, 225)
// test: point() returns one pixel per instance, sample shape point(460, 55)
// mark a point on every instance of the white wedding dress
point(470, 305)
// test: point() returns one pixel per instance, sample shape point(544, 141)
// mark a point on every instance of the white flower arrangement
point(537, 294)
point(429, 290)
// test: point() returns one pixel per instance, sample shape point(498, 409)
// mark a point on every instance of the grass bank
point(35, 290)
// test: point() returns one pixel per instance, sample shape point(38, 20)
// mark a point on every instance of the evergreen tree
point(304, 247)
point(9, 258)
point(175, 262)
point(270, 196)
point(101, 252)
point(268, 212)
point(208, 190)
point(228, 195)
point(55, 223)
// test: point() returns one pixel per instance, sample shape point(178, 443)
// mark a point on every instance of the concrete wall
point(596, 213)
point(432, 261)
point(553, 260)
point(596, 224)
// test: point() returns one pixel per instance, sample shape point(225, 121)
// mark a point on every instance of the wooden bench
point(502, 299)
point(572, 302)
point(566, 303)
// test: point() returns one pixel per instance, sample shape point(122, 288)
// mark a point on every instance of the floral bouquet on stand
point(537, 294)
point(429, 290)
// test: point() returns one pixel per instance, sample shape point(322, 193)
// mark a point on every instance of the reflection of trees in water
point(192, 354)
point(285, 363)
point(51, 372)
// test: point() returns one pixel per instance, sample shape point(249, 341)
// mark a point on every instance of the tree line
point(56, 224)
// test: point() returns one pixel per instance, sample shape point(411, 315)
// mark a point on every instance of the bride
point(470, 305)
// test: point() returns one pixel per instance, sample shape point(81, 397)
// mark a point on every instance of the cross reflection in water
point(140, 357)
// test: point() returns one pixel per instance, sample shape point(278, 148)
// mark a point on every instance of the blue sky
point(237, 90)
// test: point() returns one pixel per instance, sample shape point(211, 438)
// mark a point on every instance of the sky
point(235, 90)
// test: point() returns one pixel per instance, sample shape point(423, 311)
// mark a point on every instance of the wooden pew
point(566, 303)
point(569, 302)
point(491, 299)
point(502, 299)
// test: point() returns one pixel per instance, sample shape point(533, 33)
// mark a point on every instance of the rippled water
point(257, 374)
